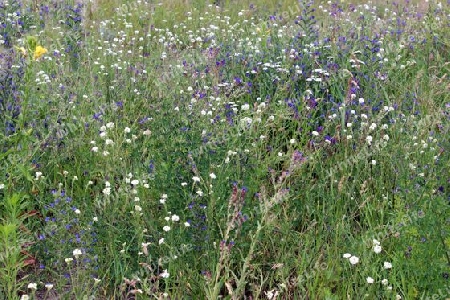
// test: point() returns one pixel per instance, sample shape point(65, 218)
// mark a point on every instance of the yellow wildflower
point(22, 50)
point(39, 52)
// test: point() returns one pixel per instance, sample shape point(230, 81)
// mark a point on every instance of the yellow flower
point(22, 50)
point(39, 52)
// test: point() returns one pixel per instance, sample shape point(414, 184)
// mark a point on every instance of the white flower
point(183, 183)
point(375, 242)
point(105, 153)
point(107, 191)
point(109, 142)
point(387, 265)
point(166, 228)
point(245, 107)
point(147, 132)
point(370, 280)
point(48, 286)
point(369, 139)
point(315, 133)
point(32, 286)
point(77, 211)
point(354, 260)
point(361, 100)
point(24, 297)
point(186, 224)
point(161, 240)
point(347, 255)
point(135, 182)
point(38, 175)
point(164, 274)
point(271, 295)
point(110, 125)
point(175, 218)
point(95, 219)
point(212, 175)
point(384, 282)
point(398, 297)
point(127, 129)
point(68, 260)
point(137, 208)
point(292, 141)
point(196, 179)
point(76, 252)
point(377, 249)
point(374, 162)
point(2, 186)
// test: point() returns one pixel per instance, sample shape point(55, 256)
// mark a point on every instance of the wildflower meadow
point(251, 149)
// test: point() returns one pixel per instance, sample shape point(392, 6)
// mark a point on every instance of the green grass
point(187, 151)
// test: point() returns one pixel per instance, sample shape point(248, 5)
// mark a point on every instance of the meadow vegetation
point(229, 150)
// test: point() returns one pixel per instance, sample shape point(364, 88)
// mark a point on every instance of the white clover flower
point(292, 141)
point(373, 162)
point(161, 240)
point(347, 255)
point(110, 125)
point(212, 175)
point(135, 182)
point(103, 128)
point(361, 100)
point(48, 286)
point(167, 219)
point(32, 286)
point(196, 179)
point(24, 297)
point(127, 130)
point(398, 297)
point(377, 249)
point(137, 208)
point(2, 186)
point(68, 260)
point(315, 133)
point(184, 184)
point(147, 132)
point(166, 228)
point(186, 224)
point(354, 260)
point(175, 218)
point(369, 139)
point(370, 280)
point(387, 265)
point(109, 142)
point(77, 252)
point(384, 282)
point(103, 134)
point(38, 175)
point(95, 219)
point(105, 153)
point(77, 211)
point(107, 191)
point(164, 274)
point(94, 149)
